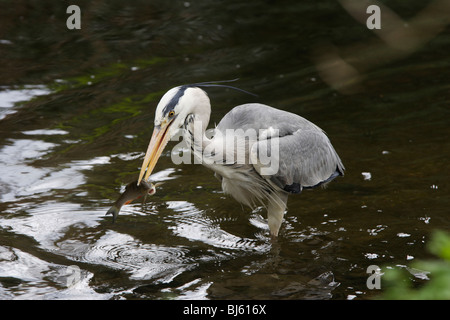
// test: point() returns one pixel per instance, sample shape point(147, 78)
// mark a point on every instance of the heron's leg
point(275, 213)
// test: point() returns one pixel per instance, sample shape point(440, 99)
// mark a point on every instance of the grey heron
point(305, 157)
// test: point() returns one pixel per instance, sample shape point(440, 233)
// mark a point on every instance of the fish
point(132, 192)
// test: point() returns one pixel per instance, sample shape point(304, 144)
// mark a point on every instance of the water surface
point(76, 114)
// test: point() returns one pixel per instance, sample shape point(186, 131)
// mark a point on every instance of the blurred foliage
point(436, 272)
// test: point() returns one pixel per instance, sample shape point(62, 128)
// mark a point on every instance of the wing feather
point(305, 156)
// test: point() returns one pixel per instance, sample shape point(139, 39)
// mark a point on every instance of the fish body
point(132, 192)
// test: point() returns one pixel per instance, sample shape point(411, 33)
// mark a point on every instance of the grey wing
point(258, 116)
point(294, 154)
point(302, 159)
point(305, 159)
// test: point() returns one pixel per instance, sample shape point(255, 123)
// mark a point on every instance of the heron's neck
point(194, 133)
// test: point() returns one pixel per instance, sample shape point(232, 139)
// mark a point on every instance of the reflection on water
point(139, 260)
point(191, 224)
point(26, 277)
point(76, 112)
point(10, 96)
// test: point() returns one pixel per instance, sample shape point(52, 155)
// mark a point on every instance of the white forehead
point(166, 98)
point(175, 97)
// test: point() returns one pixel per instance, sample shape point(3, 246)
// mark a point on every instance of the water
point(76, 113)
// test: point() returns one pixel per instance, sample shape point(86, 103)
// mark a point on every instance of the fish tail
point(114, 211)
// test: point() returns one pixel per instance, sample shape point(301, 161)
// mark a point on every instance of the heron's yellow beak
point(159, 140)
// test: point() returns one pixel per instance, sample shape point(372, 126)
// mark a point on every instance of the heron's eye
point(171, 114)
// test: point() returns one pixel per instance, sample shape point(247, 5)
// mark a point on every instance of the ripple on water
point(9, 96)
point(193, 224)
point(48, 222)
point(23, 179)
point(143, 261)
point(28, 277)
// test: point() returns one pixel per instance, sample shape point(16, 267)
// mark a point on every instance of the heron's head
point(177, 107)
